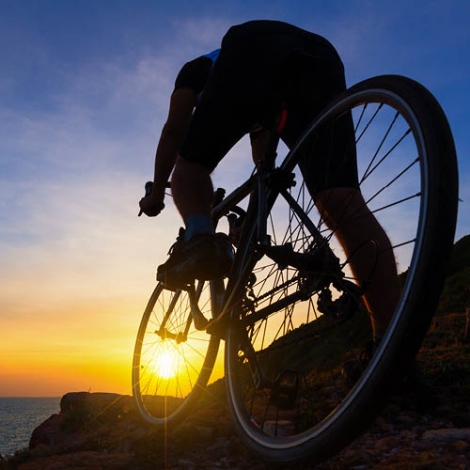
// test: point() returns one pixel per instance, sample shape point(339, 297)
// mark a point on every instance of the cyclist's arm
point(182, 103)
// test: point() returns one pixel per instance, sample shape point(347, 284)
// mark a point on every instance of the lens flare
point(166, 363)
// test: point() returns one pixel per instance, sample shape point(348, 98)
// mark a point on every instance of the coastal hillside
point(456, 293)
point(419, 428)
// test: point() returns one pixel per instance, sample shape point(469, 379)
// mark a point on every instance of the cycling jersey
point(213, 55)
point(194, 74)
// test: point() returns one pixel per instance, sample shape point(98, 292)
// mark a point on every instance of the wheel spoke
point(171, 368)
point(310, 314)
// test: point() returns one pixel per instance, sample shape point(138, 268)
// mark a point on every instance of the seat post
point(269, 158)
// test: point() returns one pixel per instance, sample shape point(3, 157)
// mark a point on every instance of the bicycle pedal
point(200, 321)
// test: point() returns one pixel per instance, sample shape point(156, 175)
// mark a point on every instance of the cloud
point(197, 36)
point(73, 165)
point(72, 176)
point(72, 172)
point(104, 119)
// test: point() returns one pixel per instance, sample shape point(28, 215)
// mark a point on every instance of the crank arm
point(200, 321)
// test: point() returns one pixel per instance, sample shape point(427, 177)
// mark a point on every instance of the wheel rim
point(172, 361)
point(392, 155)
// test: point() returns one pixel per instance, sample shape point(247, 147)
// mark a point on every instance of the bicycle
point(290, 311)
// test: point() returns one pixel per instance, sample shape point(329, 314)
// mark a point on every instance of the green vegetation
point(456, 293)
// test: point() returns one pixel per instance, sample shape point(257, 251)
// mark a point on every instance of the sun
point(166, 363)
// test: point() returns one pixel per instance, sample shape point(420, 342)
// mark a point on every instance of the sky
point(84, 91)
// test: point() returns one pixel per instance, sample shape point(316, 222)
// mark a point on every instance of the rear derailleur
point(343, 307)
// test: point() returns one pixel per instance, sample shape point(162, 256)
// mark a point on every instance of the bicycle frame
point(254, 187)
point(263, 187)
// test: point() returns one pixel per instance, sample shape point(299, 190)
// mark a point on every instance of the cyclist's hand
point(151, 206)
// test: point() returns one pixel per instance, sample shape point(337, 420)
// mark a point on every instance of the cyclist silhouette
point(261, 67)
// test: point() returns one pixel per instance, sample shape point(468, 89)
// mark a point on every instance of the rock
point(461, 446)
point(82, 460)
point(47, 433)
point(387, 444)
point(104, 431)
point(447, 435)
point(83, 416)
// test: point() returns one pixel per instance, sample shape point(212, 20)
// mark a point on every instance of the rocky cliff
point(104, 431)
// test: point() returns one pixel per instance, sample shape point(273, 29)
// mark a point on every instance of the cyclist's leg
point(203, 255)
point(345, 212)
point(222, 117)
point(343, 209)
point(192, 188)
point(367, 246)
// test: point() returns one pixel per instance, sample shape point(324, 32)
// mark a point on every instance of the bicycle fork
point(217, 294)
point(260, 379)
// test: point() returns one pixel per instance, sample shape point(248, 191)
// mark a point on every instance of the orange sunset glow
point(85, 88)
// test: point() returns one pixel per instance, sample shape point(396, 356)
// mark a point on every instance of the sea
point(19, 417)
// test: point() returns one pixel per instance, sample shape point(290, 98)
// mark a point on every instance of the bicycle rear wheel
point(172, 361)
point(299, 383)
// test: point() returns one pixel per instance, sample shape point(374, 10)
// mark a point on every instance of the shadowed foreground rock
point(104, 431)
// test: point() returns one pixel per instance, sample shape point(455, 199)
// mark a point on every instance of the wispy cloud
point(195, 36)
point(77, 141)
point(71, 177)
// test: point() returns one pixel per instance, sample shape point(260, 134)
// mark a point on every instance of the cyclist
point(239, 89)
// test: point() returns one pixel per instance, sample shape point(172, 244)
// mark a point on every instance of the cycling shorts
point(262, 67)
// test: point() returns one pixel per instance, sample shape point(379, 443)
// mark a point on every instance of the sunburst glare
point(166, 362)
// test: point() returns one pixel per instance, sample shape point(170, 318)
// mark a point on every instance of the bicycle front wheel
point(172, 361)
point(302, 380)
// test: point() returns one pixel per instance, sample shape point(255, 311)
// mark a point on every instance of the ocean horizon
point(19, 416)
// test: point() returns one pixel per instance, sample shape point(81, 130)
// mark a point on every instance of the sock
point(197, 224)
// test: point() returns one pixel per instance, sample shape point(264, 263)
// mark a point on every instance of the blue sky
point(84, 89)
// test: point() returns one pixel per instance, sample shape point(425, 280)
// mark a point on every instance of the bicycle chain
point(255, 300)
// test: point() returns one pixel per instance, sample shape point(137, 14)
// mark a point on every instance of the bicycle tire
point(165, 392)
point(319, 419)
